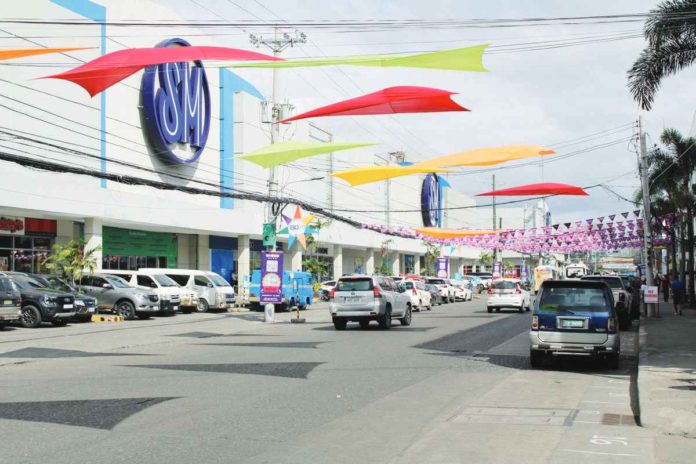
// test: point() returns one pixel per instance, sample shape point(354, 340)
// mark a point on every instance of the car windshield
point(437, 281)
point(164, 281)
point(354, 285)
point(573, 299)
point(218, 281)
point(56, 284)
point(5, 285)
point(504, 285)
point(25, 283)
point(613, 282)
point(117, 282)
point(456, 283)
point(407, 285)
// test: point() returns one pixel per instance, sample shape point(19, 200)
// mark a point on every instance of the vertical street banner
point(271, 277)
point(497, 268)
point(523, 271)
point(442, 268)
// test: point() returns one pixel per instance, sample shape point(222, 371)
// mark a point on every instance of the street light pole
point(647, 217)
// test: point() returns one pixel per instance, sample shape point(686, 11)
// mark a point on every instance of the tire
point(536, 358)
point(406, 320)
point(521, 309)
point(340, 324)
point(624, 322)
point(30, 317)
point(418, 308)
point(3, 325)
point(203, 306)
point(364, 324)
point(490, 310)
point(125, 309)
point(385, 319)
point(59, 322)
point(612, 361)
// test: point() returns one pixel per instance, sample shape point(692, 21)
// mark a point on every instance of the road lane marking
point(602, 402)
point(597, 452)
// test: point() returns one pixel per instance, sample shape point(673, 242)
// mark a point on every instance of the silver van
point(213, 291)
point(362, 299)
point(169, 292)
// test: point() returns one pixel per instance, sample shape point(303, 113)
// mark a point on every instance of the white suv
point(419, 295)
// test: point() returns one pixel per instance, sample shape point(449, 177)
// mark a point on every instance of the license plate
point(351, 298)
point(175, 308)
point(572, 323)
point(68, 306)
point(7, 302)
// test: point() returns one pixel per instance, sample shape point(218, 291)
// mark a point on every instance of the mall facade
point(121, 132)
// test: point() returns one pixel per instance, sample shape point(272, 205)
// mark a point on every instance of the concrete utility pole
point(495, 223)
point(277, 44)
point(647, 233)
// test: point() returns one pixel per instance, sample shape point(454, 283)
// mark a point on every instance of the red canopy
point(101, 73)
point(403, 99)
point(547, 188)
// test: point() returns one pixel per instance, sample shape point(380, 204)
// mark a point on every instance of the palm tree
point(671, 34)
point(671, 169)
point(72, 261)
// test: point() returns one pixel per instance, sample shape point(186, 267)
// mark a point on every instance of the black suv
point(41, 304)
point(85, 306)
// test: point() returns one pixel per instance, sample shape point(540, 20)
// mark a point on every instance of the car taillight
point(622, 297)
point(611, 324)
point(518, 291)
point(535, 322)
point(376, 292)
point(415, 292)
point(490, 291)
point(332, 293)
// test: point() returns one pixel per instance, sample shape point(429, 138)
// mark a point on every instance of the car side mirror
point(210, 285)
point(153, 285)
point(107, 286)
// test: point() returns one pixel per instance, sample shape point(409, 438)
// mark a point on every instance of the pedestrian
point(677, 294)
point(665, 284)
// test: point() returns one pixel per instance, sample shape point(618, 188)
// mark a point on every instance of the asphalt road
point(207, 388)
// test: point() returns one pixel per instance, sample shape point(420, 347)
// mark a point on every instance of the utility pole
point(647, 233)
point(277, 44)
point(397, 157)
point(495, 224)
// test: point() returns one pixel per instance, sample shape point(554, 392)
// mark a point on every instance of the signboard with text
point(442, 268)
point(271, 277)
point(11, 225)
point(497, 269)
point(650, 295)
point(523, 271)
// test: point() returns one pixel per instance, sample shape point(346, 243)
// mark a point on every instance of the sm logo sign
point(176, 108)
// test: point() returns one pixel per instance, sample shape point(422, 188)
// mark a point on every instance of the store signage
point(176, 108)
point(523, 271)
point(271, 277)
point(11, 225)
point(442, 268)
point(431, 202)
point(650, 295)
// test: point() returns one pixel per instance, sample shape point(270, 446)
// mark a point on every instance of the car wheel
point(59, 322)
point(406, 320)
point(340, 324)
point(125, 309)
point(30, 317)
point(521, 309)
point(613, 361)
point(364, 324)
point(535, 358)
point(490, 310)
point(624, 322)
point(385, 320)
point(3, 325)
point(202, 306)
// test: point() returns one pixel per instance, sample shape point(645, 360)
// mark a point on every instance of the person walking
point(665, 284)
point(677, 294)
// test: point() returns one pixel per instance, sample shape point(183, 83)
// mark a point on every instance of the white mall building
point(138, 226)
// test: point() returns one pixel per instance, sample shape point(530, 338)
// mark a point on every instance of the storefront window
point(133, 263)
point(22, 260)
point(409, 264)
point(23, 253)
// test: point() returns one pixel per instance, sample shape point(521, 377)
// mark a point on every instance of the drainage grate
point(515, 416)
point(618, 419)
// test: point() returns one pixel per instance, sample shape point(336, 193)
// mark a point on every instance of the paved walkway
point(667, 382)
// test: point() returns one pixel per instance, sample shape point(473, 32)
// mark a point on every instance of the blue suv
point(574, 317)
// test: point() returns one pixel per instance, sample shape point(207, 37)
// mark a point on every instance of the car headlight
point(48, 301)
point(79, 303)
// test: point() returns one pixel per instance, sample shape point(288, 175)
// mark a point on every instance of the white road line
point(603, 402)
point(586, 422)
point(597, 452)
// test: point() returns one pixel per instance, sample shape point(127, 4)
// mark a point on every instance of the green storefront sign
point(127, 242)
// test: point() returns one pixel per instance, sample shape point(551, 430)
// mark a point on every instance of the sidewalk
point(667, 373)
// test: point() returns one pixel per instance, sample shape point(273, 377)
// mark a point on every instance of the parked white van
point(170, 294)
point(213, 291)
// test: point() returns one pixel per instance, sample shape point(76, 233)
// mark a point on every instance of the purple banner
point(442, 268)
point(497, 270)
point(271, 277)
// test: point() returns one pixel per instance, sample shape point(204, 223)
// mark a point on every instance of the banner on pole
point(497, 268)
point(442, 268)
point(271, 277)
point(650, 295)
